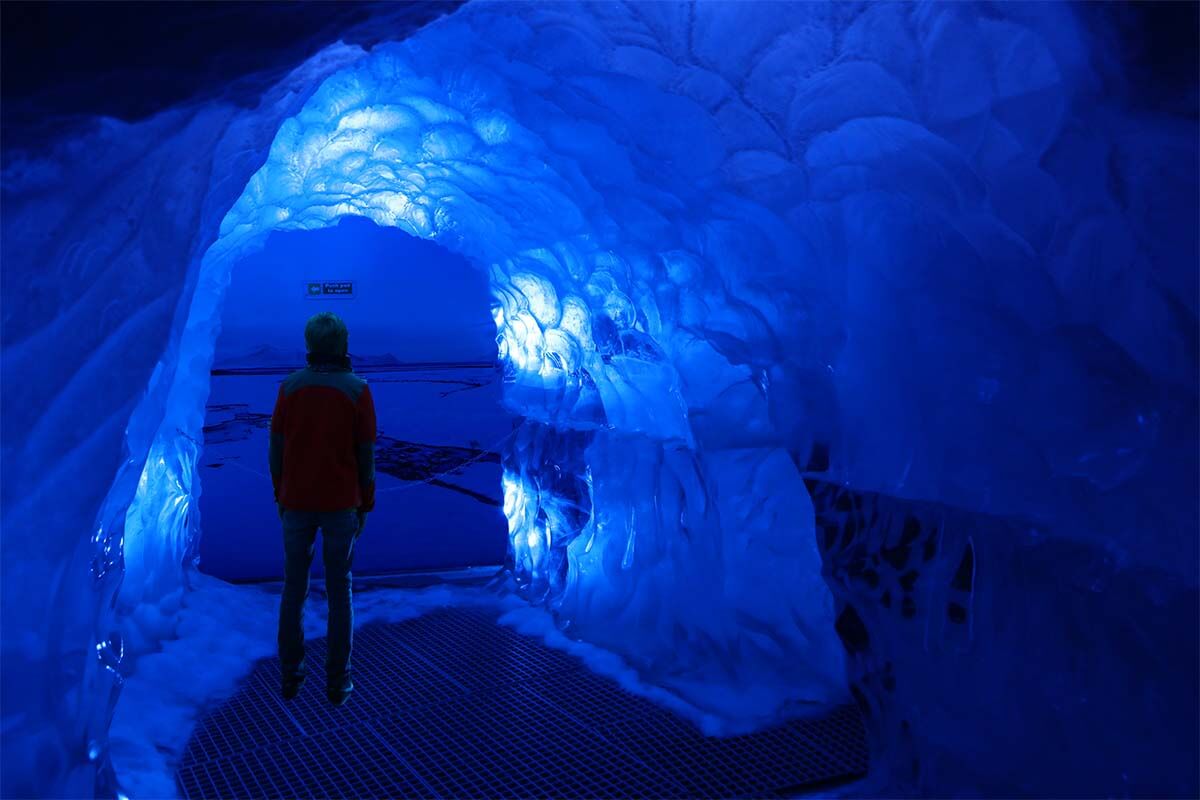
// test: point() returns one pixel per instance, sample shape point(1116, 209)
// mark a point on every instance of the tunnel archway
point(971, 285)
point(616, 506)
point(421, 333)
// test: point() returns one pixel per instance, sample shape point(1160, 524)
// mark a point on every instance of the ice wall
point(615, 509)
point(928, 252)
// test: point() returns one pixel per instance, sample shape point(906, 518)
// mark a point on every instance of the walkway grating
point(454, 705)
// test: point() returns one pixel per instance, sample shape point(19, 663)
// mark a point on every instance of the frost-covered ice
point(939, 244)
point(220, 630)
point(215, 633)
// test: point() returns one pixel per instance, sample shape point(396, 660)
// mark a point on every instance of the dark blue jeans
point(339, 529)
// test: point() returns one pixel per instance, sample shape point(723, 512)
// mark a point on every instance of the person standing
point(322, 456)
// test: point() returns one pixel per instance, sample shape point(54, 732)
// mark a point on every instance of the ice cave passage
point(422, 333)
point(854, 350)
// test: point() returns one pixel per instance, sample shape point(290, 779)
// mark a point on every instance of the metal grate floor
point(452, 704)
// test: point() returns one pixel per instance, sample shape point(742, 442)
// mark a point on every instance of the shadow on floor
point(452, 704)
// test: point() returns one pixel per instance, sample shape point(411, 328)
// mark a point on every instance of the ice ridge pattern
point(930, 242)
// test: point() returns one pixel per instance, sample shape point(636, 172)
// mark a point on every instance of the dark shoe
point(291, 687)
point(339, 692)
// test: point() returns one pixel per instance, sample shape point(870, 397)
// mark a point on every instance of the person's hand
point(279, 508)
point(362, 521)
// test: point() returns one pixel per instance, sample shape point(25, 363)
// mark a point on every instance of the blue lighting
point(854, 349)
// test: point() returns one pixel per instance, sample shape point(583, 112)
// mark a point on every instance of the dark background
point(130, 59)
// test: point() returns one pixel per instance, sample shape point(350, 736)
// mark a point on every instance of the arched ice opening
point(689, 549)
point(947, 243)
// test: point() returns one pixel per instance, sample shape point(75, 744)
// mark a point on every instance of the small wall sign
point(326, 290)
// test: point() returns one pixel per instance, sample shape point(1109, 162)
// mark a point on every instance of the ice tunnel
point(855, 347)
point(424, 337)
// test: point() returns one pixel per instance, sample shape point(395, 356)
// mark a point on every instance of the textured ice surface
point(933, 239)
point(228, 628)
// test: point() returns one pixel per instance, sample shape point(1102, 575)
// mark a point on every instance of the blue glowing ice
point(932, 240)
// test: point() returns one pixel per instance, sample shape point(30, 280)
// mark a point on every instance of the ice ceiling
point(927, 242)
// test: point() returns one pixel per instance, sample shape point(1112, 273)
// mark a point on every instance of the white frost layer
point(221, 630)
point(930, 236)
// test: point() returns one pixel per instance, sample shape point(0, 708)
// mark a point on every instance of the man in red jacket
point(323, 467)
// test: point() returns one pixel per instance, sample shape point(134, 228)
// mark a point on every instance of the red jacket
point(323, 441)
